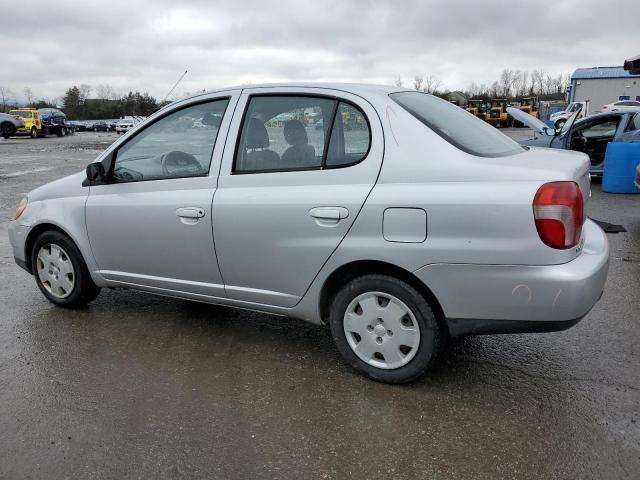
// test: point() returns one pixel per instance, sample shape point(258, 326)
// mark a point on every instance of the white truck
point(560, 118)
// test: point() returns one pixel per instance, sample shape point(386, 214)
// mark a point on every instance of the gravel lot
point(139, 386)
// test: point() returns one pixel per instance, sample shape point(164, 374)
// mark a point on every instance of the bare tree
point(28, 95)
point(473, 90)
point(418, 80)
point(106, 92)
point(431, 84)
point(517, 83)
point(493, 90)
point(5, 94)
point(506, 82)
point(85, 91)
point(537, 81)
point(525, 82)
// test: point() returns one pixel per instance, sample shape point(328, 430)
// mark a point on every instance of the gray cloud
point(146, 45)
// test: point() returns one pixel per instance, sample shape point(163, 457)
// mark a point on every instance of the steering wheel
point(177, 163)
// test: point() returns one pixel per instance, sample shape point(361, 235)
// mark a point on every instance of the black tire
point(84, 290)
point(430, 335)
point(7, 129)
point(560, 123)
point(34, 132)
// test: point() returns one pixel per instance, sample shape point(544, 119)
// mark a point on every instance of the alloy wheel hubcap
point(381, 330)
point(55, 270)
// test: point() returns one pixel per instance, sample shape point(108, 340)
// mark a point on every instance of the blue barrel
point(620, 162)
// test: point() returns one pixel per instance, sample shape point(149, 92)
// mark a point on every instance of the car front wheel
point(60, 271)
point(384, 328)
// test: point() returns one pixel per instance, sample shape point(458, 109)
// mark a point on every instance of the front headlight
point(21, 207)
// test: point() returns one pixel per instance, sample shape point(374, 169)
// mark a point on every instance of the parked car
point(424, 223)
point(54, 121)
point(100, 127)
point(621, 105)
point(126, 124)
point(9, 124)
point(77, 125)
point(560, 118)
point(589, 135)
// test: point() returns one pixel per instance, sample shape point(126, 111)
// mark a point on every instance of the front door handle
point(190, 212)
point(329, 213)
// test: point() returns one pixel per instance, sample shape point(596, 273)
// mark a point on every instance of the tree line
point(83, 102)
point(510, 85)
point(106, 103)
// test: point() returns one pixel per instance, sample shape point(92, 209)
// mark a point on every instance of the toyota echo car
point(392, 216)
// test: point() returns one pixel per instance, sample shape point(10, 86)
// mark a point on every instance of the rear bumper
point(521, 298)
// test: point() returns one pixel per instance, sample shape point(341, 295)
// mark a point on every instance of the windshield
point(22, 113)
point(457, 126)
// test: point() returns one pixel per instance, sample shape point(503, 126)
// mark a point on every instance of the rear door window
point(300, 132)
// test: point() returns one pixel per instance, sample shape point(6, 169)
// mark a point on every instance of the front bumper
point(521, 298)
point(17, 238)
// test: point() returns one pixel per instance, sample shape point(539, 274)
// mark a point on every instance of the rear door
point(298, 166)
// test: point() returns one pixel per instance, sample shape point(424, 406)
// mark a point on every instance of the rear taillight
point(559, 214)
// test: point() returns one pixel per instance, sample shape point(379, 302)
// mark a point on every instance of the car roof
point(609, 114)
point(360, 89)
point(347, 87)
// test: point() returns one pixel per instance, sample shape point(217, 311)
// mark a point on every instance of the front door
point(150, 224)
point(302, 167)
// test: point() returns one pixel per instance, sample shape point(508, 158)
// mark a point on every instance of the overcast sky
point(146, 45)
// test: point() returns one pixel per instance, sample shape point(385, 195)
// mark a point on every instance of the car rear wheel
point(384, 328)
point(7, 129)
point(34, 132)
point(60, 271)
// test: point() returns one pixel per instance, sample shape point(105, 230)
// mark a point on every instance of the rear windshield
point(457, 126)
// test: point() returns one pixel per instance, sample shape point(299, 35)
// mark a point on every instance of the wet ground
point(139, 386)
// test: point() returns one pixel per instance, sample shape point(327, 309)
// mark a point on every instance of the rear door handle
point(190, 212)
point(329, 213)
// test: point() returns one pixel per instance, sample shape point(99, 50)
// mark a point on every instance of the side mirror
point(95, 171)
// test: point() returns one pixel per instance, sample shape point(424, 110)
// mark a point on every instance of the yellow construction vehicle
point(529, 105)
point(476, 107)
point(498, 116)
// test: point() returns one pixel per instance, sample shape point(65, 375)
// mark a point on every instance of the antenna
point(175, 85)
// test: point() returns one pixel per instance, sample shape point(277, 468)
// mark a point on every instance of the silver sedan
point(390, 215)
point(9, 124)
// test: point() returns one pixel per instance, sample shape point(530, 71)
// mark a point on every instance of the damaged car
point(589, 135)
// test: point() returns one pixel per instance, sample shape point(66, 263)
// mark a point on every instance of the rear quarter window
point(457, 126)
